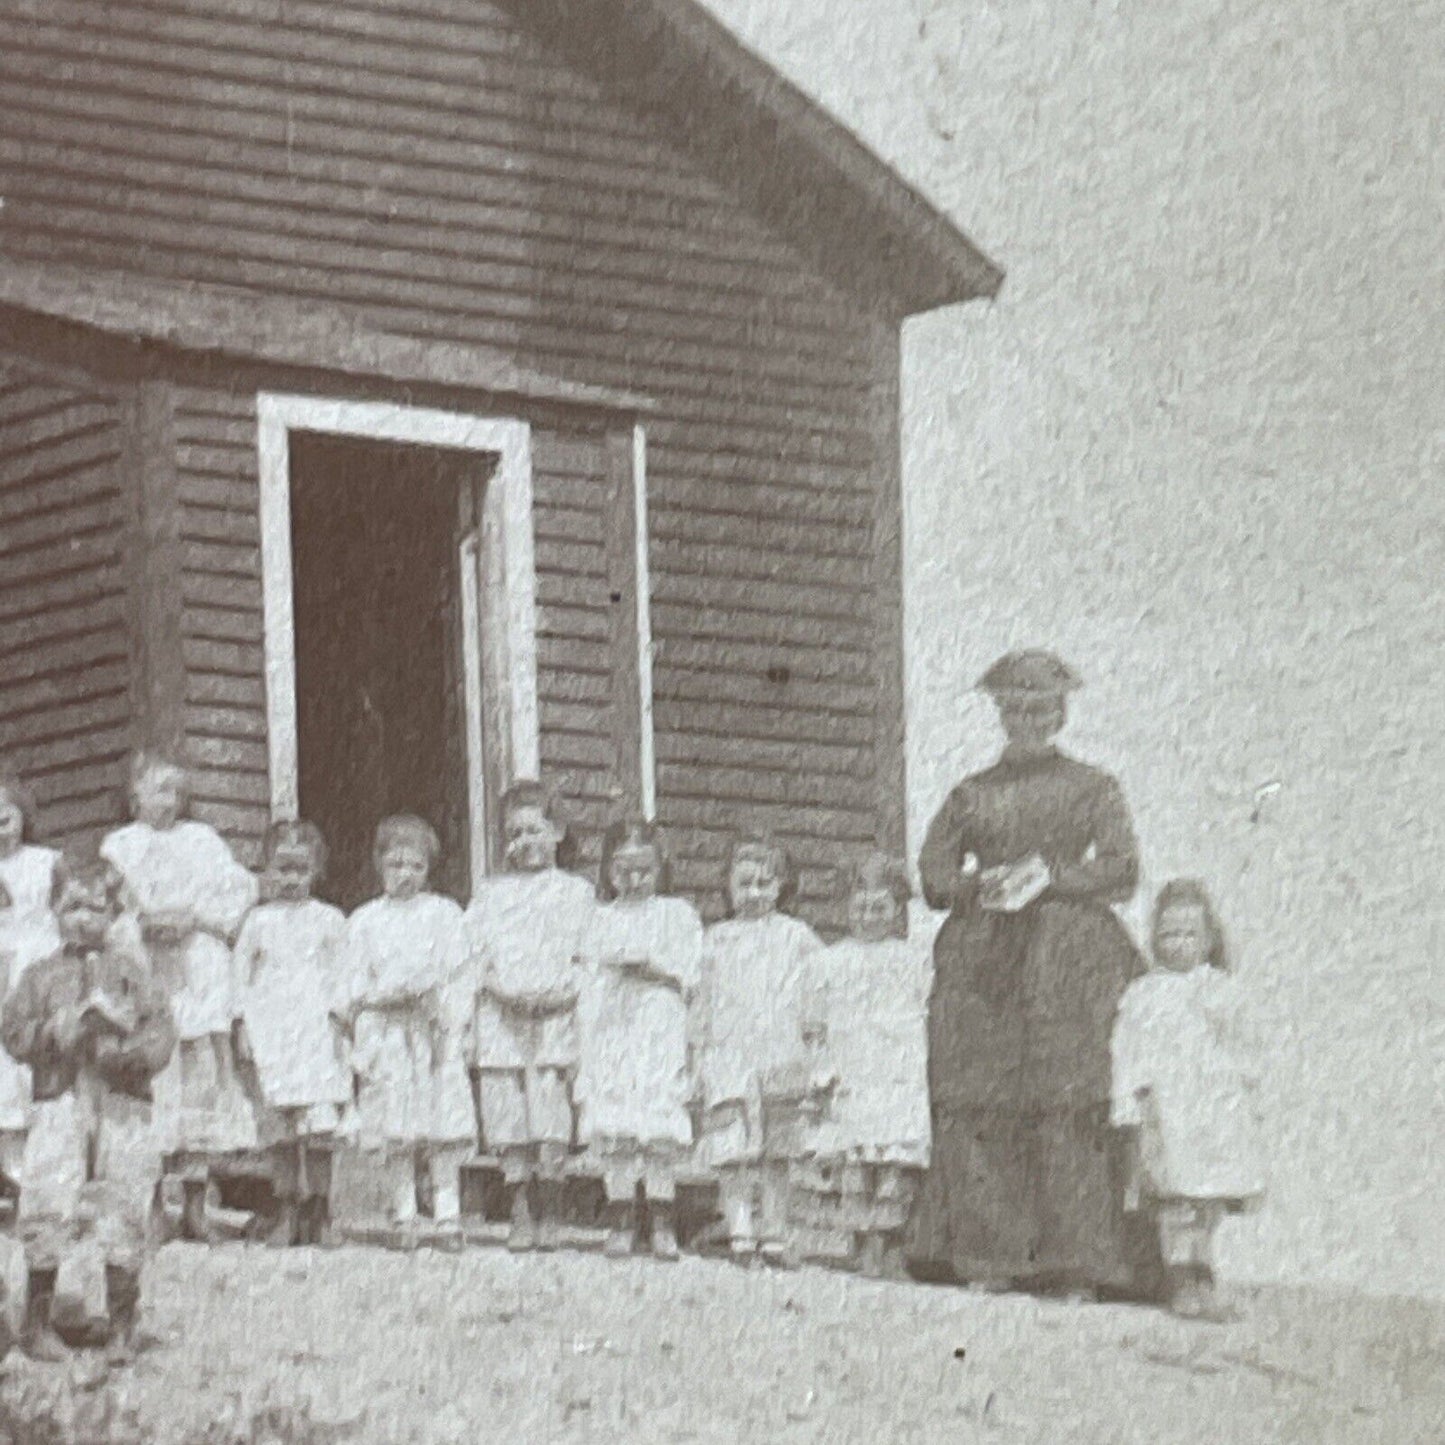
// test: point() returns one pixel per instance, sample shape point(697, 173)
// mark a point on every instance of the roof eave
point(960, 270)
point(255, 327)
point(782, 152)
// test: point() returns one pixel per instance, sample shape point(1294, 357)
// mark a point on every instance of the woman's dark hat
point(1034, 672)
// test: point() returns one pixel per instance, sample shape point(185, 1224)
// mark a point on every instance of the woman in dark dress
point(1028, 856)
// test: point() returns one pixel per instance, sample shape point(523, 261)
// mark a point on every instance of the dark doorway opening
point(375, 529)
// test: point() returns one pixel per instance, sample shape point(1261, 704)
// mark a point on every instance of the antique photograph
point(721, 722)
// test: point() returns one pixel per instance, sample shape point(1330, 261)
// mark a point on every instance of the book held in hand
point(1012, 888)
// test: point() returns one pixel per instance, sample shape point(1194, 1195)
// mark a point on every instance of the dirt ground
point(362, 1345)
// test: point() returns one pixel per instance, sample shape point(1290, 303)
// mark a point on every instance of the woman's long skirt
point(1025, 1197)
point(1026, 1182)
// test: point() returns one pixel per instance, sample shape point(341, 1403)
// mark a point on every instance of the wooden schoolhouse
point(402, 396)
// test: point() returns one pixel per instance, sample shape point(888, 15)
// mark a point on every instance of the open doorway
point(380, 663)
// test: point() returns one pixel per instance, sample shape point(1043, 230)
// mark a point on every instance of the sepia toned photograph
point(720, 722)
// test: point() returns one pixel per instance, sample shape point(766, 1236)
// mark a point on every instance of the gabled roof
point(778, 150)
point(251, 326)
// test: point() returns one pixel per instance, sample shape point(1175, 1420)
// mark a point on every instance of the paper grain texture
point(403, 398)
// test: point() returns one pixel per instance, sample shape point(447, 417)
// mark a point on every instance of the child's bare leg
point(737, 1186)
point(903, 1191)
point(775, 1231)
point(620, 1168)
point(660, 1181)
point(1180, 1247)
point(890, 1198)
point(1207, 1305)
point(400, 1168)
point(548, 1184)
point(518, 1167)
point(446, 1162)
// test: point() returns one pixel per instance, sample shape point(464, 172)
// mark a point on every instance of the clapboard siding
point(580, 742)
point(221, 617)
point(65, 676)
point(431, 163)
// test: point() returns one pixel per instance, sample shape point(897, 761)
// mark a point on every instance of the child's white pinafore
point(200, 1104)
point(1181, 1037)
point(872, 1002)
point(288, 966)
point(528, 928)
point(28, 933)
point(755, 981)
point(632, 1074)
point(412, 1085)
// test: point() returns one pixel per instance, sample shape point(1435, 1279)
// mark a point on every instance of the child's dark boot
point(39, 1339)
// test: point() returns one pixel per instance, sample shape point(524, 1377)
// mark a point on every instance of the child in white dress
point(405, 1000)
point(868, 1016)
point(1184, 1087)
point(754, 1066)
point(27, 932)
point(526, 926)
point(642, 955)
point(288, 967)
point(189, 894)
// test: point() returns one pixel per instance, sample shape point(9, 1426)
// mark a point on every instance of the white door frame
point(499, 610)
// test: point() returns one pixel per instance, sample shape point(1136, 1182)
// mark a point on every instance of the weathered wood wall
point(429, 161)
point(65, 673)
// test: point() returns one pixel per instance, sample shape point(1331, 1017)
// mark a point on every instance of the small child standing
point(756, 968)
point(642, 954)
point(1184, 1085)
point(95, 1029)
point(27, 925)
point(190, 895)
point(27, 933)
point(288, 965)
point(406, 961)
point(527, 926)
point(868, 1016)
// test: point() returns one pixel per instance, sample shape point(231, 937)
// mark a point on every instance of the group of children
point(165, 1007)
point(185, 1010)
